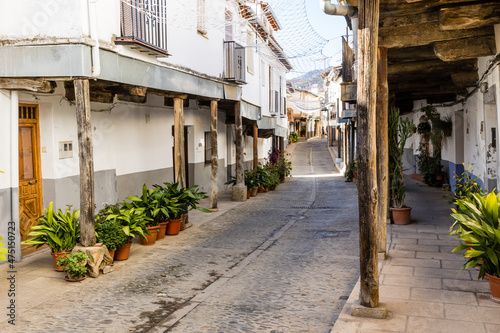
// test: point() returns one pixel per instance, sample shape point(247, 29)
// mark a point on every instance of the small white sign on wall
point(65, 149)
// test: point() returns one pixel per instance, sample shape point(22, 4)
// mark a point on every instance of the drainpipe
point(96, 60)
point(328, 8)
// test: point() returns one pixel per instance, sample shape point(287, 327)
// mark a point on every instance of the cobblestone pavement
point(284, 261)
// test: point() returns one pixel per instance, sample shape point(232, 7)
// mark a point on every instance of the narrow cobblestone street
point(284, 261)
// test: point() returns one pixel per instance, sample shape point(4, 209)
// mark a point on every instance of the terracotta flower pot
point(174, 227)
point(401, 216)
point(494, 287)
point(67, 278)
point(162, 230)
point(122, 252)
point(253, 191)
point(249, 194)
point(282, 180)
point(272, 187)
point(150, 239)
point(56, 256)
point(261, 190)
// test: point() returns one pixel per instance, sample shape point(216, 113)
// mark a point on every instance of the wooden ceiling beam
point(33, 85)
point(411, 54)
point(465, 48)
point(417, 34)
point(433, 68)
point(469, 16)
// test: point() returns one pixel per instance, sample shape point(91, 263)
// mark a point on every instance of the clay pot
point(122, 252)
point(272, 187)
point(150, 239)
point(253, 191)
point(261, 190)
point(494, 287)
point(401, 216)
point(282, 180)
point(183, 221)
point(162, 230)
point(67, 278)
point(174, 227)
point(56, 256)
point(249, 194)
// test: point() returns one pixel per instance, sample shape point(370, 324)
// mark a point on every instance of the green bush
point(74, 264)
point(111, 234)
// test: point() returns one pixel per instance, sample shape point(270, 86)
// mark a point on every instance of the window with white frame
point(201, 26)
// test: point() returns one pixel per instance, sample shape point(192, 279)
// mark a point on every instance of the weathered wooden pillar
point(179, 158)
point(215, 154)
point(239, 190)
point(382, 148)
point(255, 145)
point(86, 159)
point(367, 151)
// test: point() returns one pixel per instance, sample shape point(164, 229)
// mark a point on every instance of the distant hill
point(307, 80)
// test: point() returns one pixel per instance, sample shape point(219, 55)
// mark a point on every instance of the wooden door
point(30, 185)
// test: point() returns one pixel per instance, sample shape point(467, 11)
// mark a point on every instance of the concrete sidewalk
point(421, 281)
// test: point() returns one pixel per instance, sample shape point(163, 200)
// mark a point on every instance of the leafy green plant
point(399, 132)
point(351, 169)
point(60, 231)
point(294, 137)
point(477, 223)
point(465, 186)
point(3, 250)
point(303, 130)
point(74, 264)
point(132, 219)
point(150, 202)
point(111, 234)
point(284, 166)
point(177, 200)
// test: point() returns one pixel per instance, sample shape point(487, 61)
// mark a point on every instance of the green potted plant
point(465, 186)
point(477, 223)
point(74, 265)
point(60, 231)
point(150, 204)
point(284, 167)
point(351, 171)
point(293, 137)
point(399, 132)
point(111, 234)
point(133, 222)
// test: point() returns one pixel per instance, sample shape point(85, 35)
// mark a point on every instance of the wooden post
point(382, 148)
point(239, 190)
point(255, 145)
point(86, 159)
point(179, 158)
point(367, 152)
point(215, 154)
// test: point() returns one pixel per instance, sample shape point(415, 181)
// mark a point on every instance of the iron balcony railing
point(234, 59)
point(144, 24)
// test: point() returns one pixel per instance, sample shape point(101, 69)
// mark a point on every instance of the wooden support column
point(179, 158)
point(86, 159)
point(215, 154)
point(255, 145)
point(367, 152)
point(382, 148)
point(239, 190)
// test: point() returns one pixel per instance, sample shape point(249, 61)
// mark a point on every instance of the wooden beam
point(470, 16)
point(86, 159)
point(465, 79)
point(410, 32)
point(239, 190)
point(34, 85)
point(465, 48)
point(179, 157)
point(255, 145)
point(382, 148)
point(411, 54)
point(436, 68)
point(215, 155)
point(367, 152)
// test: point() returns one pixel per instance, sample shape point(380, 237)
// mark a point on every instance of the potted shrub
point(74, 265)
point(399, 132)
point(284, 167)
point(351, 171)
point(150, 204)
point(477, 223)
point(465, 186)
point(133, 222)
point(60, 231)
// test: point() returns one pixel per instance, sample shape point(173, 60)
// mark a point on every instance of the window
point(250, 52)
point(208, 148)
point(201, 26)
point(271, 93)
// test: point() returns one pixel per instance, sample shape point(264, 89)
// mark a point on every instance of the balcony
point(234, 60)
point(144, 26)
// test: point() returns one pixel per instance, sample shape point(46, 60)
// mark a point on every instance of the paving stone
point(413, 281)
point(420, 324)
point(443, 296)
point(467, 286)
point(415, 308)
point(473, 314)
point(415, 262)
point(442, 273)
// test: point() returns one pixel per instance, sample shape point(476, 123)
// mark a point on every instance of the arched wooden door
point(30, 182)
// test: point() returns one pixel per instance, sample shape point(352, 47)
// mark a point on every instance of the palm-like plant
point(477, 223)
point(60, 231)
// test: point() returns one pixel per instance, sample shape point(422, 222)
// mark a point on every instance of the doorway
point(30, 182)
